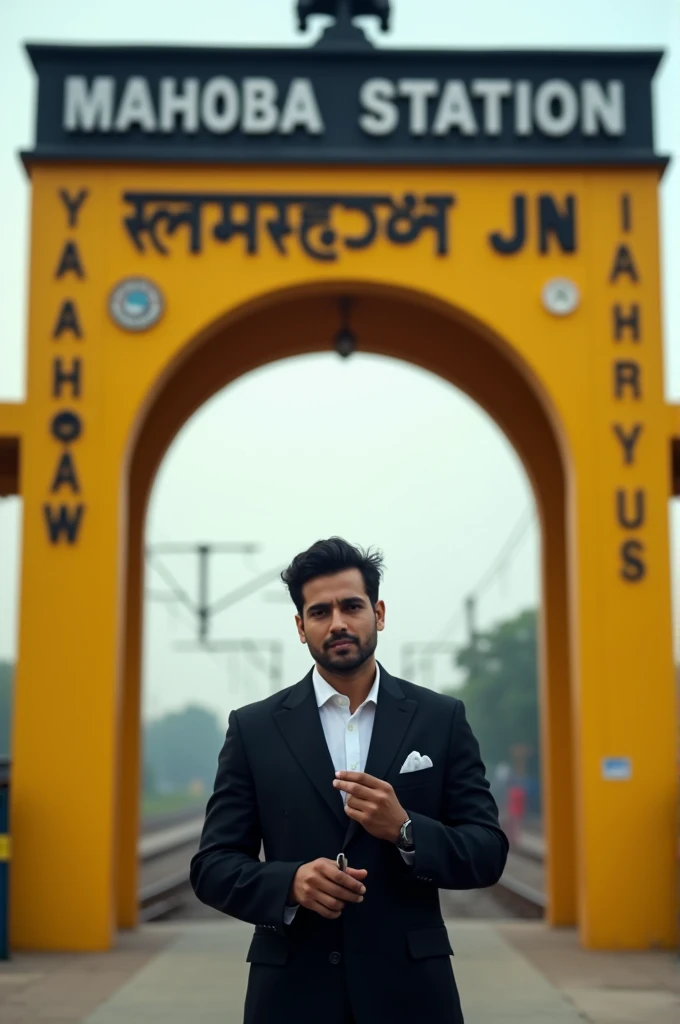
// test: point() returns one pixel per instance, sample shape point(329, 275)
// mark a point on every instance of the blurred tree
point(149, 784)
point(6, 674)
point(501, 690)
point(181, 748)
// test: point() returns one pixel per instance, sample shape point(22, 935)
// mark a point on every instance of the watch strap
point(403, 842)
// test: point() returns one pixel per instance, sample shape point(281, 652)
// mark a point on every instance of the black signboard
point(122, 103)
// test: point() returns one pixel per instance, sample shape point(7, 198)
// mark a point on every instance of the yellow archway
point(505, 238)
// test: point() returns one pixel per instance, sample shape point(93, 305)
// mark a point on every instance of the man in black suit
point(349, 760)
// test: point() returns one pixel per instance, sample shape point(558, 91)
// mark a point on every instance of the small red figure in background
point(516, 810)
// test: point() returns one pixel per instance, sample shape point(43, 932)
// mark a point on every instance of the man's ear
point(300, 629)
point(380, 615)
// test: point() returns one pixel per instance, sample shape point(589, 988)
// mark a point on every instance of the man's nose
point(338, 623)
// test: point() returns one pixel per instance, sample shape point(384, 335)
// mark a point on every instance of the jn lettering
point(555, 225)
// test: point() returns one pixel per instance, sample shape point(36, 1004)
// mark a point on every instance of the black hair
point(327, 557)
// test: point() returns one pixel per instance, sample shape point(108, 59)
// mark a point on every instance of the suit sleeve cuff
point(408, 856)
point(289, 912)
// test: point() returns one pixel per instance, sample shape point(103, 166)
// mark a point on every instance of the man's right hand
point(322, 887)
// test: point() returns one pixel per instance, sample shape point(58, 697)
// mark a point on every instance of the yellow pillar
point(131, 753)
point(625, 689)
point(66, 713)
point(556, 711)
point(65, 743)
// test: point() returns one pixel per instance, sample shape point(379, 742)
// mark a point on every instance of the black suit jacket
point(389, 954)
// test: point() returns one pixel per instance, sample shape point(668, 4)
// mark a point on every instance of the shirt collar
point(324, 691)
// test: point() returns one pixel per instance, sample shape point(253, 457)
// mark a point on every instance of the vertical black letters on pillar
point(633, 569)
point(637, 519)
point(61, 376)
point(63, 522)
point(73, 204)
point(65, 475)
point(70, 262)
point(631, 506)
point(628, 441)
point(623, 264)
point(627, 374)
point(67, 320)
point(626, 321)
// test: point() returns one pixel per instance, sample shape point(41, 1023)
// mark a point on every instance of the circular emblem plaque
point(560, 296)
point(136, 304)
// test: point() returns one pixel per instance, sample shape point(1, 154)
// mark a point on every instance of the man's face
point(338, 623)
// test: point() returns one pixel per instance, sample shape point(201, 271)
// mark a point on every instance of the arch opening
point(445, 341)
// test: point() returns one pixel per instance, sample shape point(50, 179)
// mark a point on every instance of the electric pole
point(265, 654)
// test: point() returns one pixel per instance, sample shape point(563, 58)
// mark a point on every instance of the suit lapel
point(393, 715)
point(299, 722)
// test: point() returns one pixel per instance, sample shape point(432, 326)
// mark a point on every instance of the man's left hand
point(373, 803)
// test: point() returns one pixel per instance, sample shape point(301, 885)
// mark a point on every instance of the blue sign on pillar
point(618, 769)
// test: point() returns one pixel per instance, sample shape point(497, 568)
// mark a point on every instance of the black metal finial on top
point(343, 31)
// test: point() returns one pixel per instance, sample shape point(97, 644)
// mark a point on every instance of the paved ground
point(606, 988)
point(512, 972)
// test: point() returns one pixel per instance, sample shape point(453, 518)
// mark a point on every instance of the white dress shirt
point(348, 737)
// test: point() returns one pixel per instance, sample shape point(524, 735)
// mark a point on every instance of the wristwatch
point(405, 840)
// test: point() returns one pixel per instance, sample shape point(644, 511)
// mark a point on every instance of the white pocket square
point(414, 762)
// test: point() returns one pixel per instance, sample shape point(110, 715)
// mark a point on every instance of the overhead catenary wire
point(513, 542)
point(202, 609)
point(179, 595)
point(423, 653)
point(515, 538)
point(176, 589)
point(174, 609)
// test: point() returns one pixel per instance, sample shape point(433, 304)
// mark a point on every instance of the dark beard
point(349, 662)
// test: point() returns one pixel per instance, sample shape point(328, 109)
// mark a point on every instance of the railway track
point(522, 887)
point(165, 849)
point(523, 896)
point(165, 852)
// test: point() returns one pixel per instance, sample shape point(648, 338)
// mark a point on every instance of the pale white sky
point(424, 474)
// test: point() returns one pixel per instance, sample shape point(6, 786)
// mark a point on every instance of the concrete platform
point(514, 972)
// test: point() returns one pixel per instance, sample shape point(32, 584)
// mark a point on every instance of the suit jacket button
point(335, 958)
